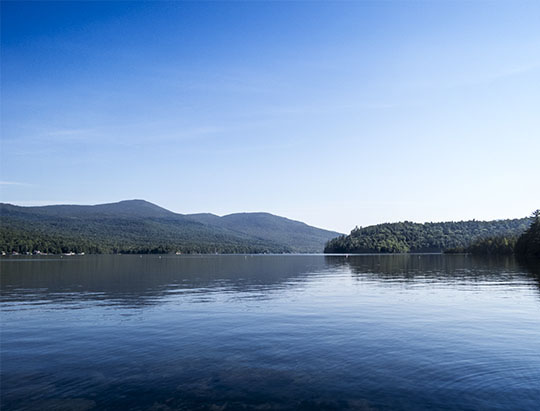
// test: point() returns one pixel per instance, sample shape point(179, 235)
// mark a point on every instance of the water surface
point(372, 332)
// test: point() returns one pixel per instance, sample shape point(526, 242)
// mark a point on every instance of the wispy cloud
point(501, 75)
point(329, 108)
point(38, 203)
point(70, 134)
point(231, 81)
point(480, 78)
point(13, 183)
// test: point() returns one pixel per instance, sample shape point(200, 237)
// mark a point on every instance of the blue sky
point(337, 114)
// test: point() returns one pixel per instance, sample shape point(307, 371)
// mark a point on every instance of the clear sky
point(337, 114)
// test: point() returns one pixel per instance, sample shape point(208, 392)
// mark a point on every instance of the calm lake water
point(402, 332)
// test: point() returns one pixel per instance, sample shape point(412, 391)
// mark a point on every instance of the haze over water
point(270, 332)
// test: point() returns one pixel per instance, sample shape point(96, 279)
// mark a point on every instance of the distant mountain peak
point(127, 208)
point(134, 201)
point(136, 207)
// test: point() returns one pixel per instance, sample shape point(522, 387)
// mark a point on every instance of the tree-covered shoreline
point(526, 244)
point(140, 227)
point(36, 242)
point(407, 237)
point(499, 245)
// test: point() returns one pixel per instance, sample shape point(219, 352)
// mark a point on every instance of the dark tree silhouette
point(528, 244)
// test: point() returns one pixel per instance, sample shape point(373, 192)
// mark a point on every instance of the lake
point(265, 332)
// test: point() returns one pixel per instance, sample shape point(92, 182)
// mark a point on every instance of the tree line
point(24, 240)
point(526, 244)
point(405, 237)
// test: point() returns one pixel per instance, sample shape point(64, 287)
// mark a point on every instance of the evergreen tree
point(528, 243)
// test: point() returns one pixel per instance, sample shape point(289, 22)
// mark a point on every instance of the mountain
point(298, 236)
point(127, 208)
point(407, 237)
point(138, 226)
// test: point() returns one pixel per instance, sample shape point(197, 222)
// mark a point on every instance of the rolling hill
point(405, 237)
point(138, 226)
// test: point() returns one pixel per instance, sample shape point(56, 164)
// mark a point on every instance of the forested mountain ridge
point(137, 226)
point(405, 237)
point(126, 208)
point(266, 226)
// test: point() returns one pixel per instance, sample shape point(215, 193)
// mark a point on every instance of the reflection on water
point(135, 280)
point(270, 332)
point(464, 269)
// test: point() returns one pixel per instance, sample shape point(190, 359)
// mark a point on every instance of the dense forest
point(498, 245)
point(408, 237)
point(138, 226)
point(526, 244)
point(16, 240)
